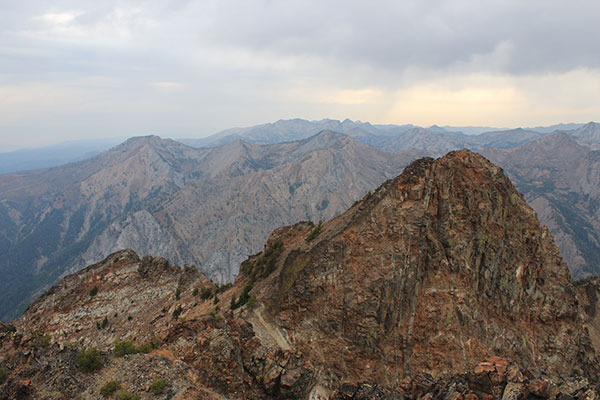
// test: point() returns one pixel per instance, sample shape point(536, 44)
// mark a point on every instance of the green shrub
point(260, 268)
point(158, 386)
point(109, 388)
point(122, 348)
point(224, 287)
point(3, 375)
point(244, 297)
point(89, 360)
point(45, 340)
point(177, 294)
point(125, 395)
point(40, 341)
point(127, 347)
point(177, 311)
point(265, 264)
point(195, 292)
point(314, 232)
point(147, 347)
point(206, 293)
point(94, 291)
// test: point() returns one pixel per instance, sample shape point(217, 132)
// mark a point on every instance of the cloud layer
point(71, 69)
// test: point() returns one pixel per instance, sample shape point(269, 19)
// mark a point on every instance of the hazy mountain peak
point(142, 139)
point(328, 135)
point(549, 147)
point(136, 143)
point(588, 133)
point(325, 139)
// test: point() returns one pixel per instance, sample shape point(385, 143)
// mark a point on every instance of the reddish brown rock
point(437, 270)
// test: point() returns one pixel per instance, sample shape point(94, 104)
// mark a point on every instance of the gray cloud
point(532, 36)
point(189, 67)
point(537, 35)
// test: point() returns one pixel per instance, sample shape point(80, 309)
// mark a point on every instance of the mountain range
point(542, 157)
point(390, 137)
point(214, 206)
point(211, 207)
point(440, 284)
point(284, 131)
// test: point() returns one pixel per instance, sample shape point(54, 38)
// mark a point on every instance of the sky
point(81, 69)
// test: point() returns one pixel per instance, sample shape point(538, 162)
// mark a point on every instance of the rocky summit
point(440, 284)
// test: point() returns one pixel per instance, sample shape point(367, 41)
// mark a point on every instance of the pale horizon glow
point(74, 70)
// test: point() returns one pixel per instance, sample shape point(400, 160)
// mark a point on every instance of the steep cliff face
point(560, 180)
point(441, 283)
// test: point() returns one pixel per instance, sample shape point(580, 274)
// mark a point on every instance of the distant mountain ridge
point(588, 134)
point(280, 131)
point(390, 137)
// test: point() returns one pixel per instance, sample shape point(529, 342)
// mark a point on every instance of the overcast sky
point(90, 69)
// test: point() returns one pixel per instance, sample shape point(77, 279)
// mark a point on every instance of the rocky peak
point(437, 270)
point(325, 139)
point(418, 131)
point(151, 142)
point(589, 132)
point(137, 143)
point(142, 139)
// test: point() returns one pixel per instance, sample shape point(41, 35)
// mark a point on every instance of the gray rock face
point(560, 179)
point(139, 231)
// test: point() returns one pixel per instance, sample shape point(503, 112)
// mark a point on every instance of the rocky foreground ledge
point(493, 379)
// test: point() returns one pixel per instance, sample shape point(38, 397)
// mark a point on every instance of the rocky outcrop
point(440, 284)
point(439, 269)
point(492, 379)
